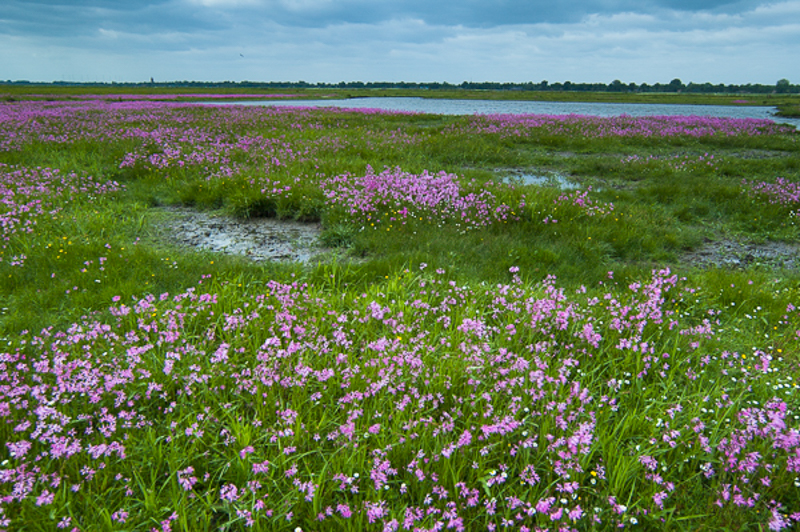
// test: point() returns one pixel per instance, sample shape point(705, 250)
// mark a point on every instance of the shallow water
point(546, 180)
point(487, 107)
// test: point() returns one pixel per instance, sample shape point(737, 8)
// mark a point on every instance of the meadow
point(510, 328)
point(158, 91)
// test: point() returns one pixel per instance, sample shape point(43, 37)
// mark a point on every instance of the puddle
point(731, 254)
point(260, 239)
point(543, 180)
point(554, 180)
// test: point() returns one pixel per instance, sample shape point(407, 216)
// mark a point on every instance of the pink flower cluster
point(581, 199)
point(494, 416)
point(625, 126)
point(194, 96)
point(579, 202)
point(27, 194)
point(781, 192)
point(99, 119)
point(395, 196)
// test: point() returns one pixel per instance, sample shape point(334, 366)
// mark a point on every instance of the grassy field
point(521, 322)
point(789, 110)
point(783, 101)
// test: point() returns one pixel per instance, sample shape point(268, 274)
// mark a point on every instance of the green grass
point(426, 369)
point(791, 110)
point(781, 101)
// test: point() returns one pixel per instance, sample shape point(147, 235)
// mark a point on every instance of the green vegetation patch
point(528, 322)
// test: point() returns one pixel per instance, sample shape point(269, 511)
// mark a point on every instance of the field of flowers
point(476, 353)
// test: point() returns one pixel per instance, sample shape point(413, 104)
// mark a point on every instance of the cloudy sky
point(642, 41)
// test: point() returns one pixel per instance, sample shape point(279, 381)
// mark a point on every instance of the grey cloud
point(467, 13)
point(61, 17)
point(726, 6)
point(415, 40)
point(51, 18)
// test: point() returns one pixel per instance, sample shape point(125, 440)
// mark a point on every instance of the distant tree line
point(783, 86)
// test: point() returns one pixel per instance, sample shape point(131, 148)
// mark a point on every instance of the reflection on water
point(543, 180)
point(488, 107)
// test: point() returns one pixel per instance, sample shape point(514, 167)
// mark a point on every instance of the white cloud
point(226, 3)
point(109, 34)
point(781, 9)
point(296, 6)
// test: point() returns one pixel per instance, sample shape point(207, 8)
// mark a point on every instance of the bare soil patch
point(732, 254)
point(259, 239)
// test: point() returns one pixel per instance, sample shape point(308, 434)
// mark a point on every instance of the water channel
point(490, 107)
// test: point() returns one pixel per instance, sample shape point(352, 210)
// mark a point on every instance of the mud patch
point(732, 254)
point(259, 239)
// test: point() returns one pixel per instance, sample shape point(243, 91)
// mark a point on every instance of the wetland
point(282, 318)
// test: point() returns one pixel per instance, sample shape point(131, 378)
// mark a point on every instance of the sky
point(586, 41)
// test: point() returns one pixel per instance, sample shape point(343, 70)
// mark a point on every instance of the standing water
point(491, 107)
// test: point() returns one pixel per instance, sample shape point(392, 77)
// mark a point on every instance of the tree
point(782, 86)
point(676, 85)
point(616, 86)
